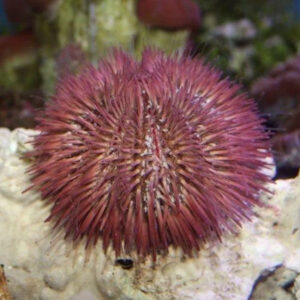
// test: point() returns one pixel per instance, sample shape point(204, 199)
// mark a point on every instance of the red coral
point(21, 11)
point(170, 14)
point(11, 45)
point(40, 5)
point(149, 155)
point(287, 149)
point(279, 97)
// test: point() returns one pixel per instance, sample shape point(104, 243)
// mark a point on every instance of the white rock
point(243, 29)
point(43, 267)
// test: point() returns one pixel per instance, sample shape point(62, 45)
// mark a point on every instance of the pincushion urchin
point(150, 154)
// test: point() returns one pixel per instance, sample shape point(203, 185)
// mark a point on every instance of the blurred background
point(255, 42)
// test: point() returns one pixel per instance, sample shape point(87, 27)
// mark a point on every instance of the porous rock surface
point(40, 265)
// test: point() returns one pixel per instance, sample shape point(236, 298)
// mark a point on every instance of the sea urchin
point(150, 154)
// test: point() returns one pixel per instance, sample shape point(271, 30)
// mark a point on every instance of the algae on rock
point(96, 26)
point(20, 73)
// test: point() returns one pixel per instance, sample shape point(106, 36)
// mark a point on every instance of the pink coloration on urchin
point(151, 154)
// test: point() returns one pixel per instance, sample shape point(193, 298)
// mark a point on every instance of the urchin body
point(151, 154)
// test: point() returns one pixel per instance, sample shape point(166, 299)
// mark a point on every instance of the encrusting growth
point(150, 154)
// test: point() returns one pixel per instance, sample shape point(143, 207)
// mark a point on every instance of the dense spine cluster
point(144, 155)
